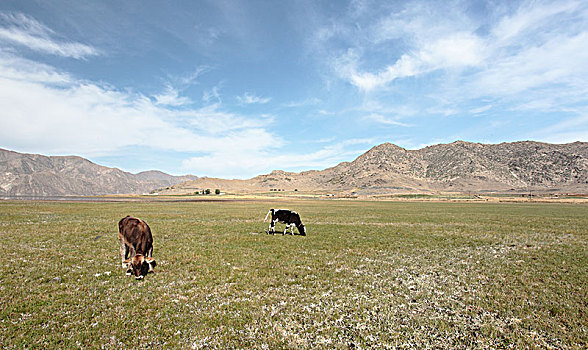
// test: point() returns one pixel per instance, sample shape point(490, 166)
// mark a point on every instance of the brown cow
point(136, 246)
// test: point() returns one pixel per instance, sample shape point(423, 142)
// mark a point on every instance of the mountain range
point(385, 169)
point(37, 175)
point(456, 167)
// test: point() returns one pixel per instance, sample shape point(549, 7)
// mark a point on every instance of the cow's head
point(140, 266)
point(302, 230)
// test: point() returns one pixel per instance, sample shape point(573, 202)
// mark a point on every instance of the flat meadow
point(369, 275)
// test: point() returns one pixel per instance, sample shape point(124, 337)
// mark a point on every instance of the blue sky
point(238, 88)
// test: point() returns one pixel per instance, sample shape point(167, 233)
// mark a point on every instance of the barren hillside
point(38, 175)
point(456, 167)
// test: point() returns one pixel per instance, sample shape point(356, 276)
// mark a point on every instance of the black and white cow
point(288, 217)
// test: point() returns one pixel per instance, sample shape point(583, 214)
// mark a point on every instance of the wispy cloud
point(304, 103)
point(226, 163)
point(561, 61)
point(528, 45)
point(176, 85)
point(25, 31)
point(481, 109)
point(528, 22)
point(248, 98)
point(215, 120)
point(171, 97)
point(527, 55)
point(378, 118)
point(459, 50)
point(95, 120)
point(374, 66)
point(568, 130)
point(191, 77)
point(213, 94)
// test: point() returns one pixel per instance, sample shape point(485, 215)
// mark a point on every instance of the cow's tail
point(266, 215)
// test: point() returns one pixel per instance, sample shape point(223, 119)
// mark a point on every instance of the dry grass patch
point(368, 275)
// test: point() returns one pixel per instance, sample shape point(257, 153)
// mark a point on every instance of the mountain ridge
point(459, 166)
point(25, 174)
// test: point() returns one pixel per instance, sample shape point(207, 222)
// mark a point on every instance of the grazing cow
point(288, 217)
point(136, 246)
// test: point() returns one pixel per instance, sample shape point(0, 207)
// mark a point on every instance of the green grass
point(368, 275)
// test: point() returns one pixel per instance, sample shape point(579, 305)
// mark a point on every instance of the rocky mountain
point(38, 175)
point(456, 167)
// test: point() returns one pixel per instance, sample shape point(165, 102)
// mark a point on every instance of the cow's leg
point(124, 252)
point(129, 253)
point(272, 227)
point(292, 229)
point(150, 260)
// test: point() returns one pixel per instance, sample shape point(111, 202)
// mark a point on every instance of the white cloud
point(212, 94)
point(481, 109)
point(406, 66)
point(214, 120)
point(19, 69)
point(191, 78)
point(85, 118)
point(532, 58)
point(531, 17)
point(568, 130)
point(378, 118)
point(171, 97)
point(80, 117)
point(455, 51)
point(431, 42)
point(228, 162)
point(248, 98)
point(305, 103)
point(561, 60)
point(324, 112)
point(26, 31)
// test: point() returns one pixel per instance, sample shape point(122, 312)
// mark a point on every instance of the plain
point(369, 274)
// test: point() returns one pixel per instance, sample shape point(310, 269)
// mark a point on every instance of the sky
point(235, 89)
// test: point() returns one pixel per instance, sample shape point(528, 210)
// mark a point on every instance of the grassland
point(368, 275)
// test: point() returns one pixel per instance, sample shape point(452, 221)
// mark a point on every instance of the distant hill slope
point(38, 175)
point(456, 167)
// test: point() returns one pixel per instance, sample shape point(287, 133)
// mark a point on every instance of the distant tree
point(217, 191)
point(207, 191)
